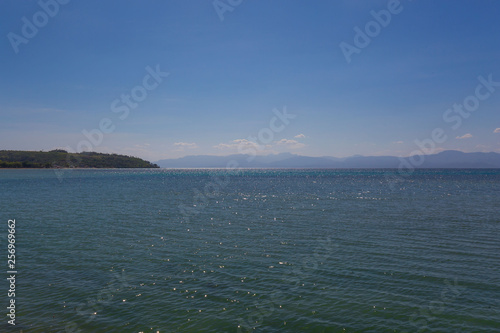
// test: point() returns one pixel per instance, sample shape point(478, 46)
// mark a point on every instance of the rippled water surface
point(254, 250)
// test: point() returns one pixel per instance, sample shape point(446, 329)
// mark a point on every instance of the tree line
point(60, 158)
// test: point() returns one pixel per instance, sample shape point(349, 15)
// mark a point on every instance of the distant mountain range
point(445, 159)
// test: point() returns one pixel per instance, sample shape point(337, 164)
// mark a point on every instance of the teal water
point(256, 250)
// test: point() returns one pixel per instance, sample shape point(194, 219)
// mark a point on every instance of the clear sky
point(357, 80)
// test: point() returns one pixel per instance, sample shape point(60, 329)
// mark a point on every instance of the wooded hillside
point(62, 159)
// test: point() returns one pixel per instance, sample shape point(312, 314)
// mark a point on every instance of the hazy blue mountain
point(445, 159)
point(453, 158)
point(211, 161)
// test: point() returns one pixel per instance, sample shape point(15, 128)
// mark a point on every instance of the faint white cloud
point(144, 145)
point(245, 146)
point(370, 144)
point(242, 143)
point(399, 142)
point(465, 136)
point(300, 136)
point(497, 130)
point(292, 144)
point(483, 148)
point(385, 152)
point(181, 146)
point(434, 151)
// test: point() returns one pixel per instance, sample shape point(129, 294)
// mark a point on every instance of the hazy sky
point(360, 77)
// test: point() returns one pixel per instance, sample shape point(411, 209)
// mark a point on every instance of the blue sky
point(225, 77)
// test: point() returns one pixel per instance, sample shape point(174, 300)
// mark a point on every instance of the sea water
point(253, 250)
